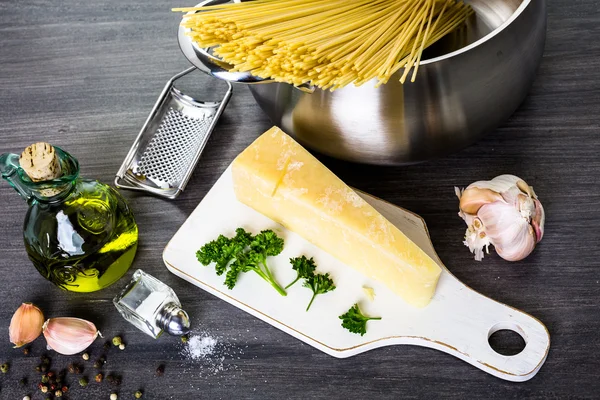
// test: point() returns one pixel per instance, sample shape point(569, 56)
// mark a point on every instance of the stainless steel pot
point(482, 75)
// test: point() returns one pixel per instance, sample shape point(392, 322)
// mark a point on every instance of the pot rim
point(524, 4)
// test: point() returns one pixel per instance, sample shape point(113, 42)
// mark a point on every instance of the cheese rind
point(280, 179)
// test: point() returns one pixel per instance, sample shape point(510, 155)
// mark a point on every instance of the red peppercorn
point(64, 389)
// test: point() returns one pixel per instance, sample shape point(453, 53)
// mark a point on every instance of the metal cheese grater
point(170, 143)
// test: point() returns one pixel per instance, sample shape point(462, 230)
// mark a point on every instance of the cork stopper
point(40, 162)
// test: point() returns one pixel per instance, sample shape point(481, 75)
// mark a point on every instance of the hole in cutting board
point(507, 339)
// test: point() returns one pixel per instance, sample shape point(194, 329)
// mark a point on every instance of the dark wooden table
point(84, 76)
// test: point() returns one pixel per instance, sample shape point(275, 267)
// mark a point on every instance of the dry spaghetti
point(325, 43)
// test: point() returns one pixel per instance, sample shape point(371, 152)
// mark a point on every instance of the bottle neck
point(54, 194)
point(49, 191)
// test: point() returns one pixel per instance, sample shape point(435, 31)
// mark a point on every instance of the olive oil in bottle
point(80, 234)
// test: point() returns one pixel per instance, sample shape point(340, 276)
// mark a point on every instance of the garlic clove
point(538, 220)
point(525, 188)
point(473, 198)
point(510, 233)
point(69, 335)
point(25, 325)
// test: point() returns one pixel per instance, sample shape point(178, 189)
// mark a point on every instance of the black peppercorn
point(160, 370)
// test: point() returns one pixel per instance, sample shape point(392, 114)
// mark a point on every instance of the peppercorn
point(100, 362)
point(160, 370)
point(26, 398)
point(64, 389)
point(113, 396)
point(43, 368)
point(116, 340)
point(83, 382)
point(122, 346)
point(99, 378)
point(44, 389)
point(52, 386)
point(58, 393)
point(44, 378)
point(4, 368)
point(45, 360)
point(138, 394)
point(110, 378)
point(107, 345)
point(85, 356)
point(23, 381)
point(185, 338)
point(26, 350)
point(71, 368)
point(38, 368)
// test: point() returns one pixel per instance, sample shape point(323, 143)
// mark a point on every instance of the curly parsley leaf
point(223, 250)
point(304, 268)
point(263, 245)
point(355, 321)
point(319, 284)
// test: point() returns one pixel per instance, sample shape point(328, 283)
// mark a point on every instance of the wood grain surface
point(84, 76)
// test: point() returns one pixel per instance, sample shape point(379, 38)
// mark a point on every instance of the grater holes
point(173, 148)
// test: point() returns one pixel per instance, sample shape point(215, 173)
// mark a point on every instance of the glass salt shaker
point(152, 306)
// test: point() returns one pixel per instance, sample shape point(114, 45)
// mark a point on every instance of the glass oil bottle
point(80, 234)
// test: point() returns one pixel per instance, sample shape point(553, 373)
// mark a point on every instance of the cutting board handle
point(466, 334)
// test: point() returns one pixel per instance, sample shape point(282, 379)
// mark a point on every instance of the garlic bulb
point(25, 325)
point(504, 212)
point(69, 335)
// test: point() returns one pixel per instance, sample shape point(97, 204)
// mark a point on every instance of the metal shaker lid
point(173, 320)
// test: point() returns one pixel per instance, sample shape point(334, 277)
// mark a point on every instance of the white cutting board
point(458, 320)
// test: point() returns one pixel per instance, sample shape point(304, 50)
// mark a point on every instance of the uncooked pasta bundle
point(325, 43)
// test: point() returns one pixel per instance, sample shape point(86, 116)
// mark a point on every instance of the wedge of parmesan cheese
point(280, 179)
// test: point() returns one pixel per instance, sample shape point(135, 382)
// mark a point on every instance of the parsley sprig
point(318, 283)
point(355, 321)
point(243, 253)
